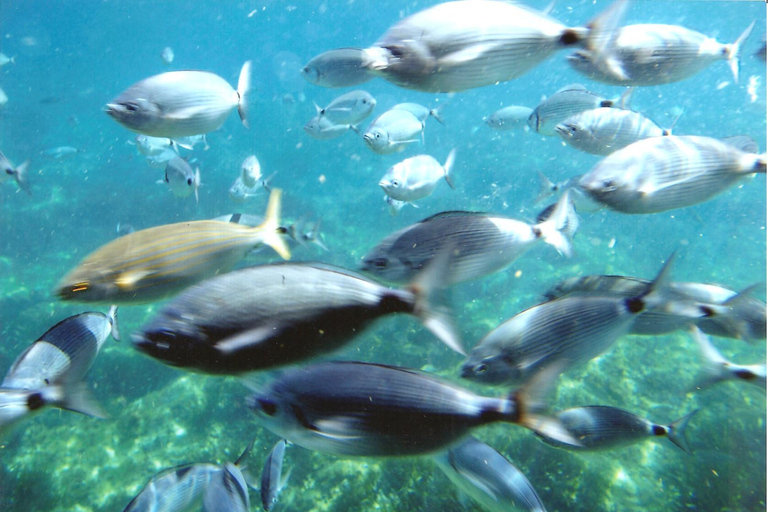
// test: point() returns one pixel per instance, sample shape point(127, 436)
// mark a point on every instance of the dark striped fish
point(158, 262)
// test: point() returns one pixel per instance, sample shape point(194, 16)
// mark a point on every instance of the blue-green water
point(73, 57)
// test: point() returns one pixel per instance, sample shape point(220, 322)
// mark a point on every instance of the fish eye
point(267, 406)
point(396, 51)
point(378, 135)
point(131, 107)
point(609, 184)
point(81, 287)
point(189, 181)
point(395, 183)
point(35, 401)
point(379, 262)
point(481, 368)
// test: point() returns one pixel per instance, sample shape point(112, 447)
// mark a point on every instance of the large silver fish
point(663, 173)
point(454, 46)
point(488, 477)
point(654, 54)
point(483, 243)
point(349, 108)
point(19, 174)
point(393, 130)
point(342, 67)
point(364, 409)
point(181, 103)
point(175, 489)
point(158, 262)
point(272, 315)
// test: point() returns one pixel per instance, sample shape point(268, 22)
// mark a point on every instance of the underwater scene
point(365, 228)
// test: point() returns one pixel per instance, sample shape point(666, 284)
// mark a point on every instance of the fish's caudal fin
point(243, 88)
point(448, 167)
point(20, 175)
point(77, 398)
point(546, 188)
point(437, 317)
point(714, 367)
point(112, 316)
point(555, 229)
point(734, 50)
point(676, 432)
point(601, 36)
point(270, 229)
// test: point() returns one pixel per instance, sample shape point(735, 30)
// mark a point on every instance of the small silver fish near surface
point(655, 54)
point(19, 174)
point(167, 55)
point(513, 117)
point(454, 46)
point(601, 131)
point(272, 480)
point(349, 108)
point(717, 368)
point(322, 128)
point(416, 177)
point(181, 103)
point(181, 179)
point(488, 477)
point(342, 67)
point(567, 101)
point(664, 173)
point(392, 131)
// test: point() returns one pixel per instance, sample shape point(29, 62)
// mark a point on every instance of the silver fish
point(167, 55)
point(602, 131)
point(337, 68)
point(227, 491)
point(581, 201)
point(181, 103)
point(566, 102)
point(362, 409)
point(454, 46)
point(155, 146)
point(392, 131)
point(322, 128)
point(663, 173)
point(190, 141)
point(599, 427)
point(3, 98)
point(655, 54)
point(181, 179)
point(271, 315)
point(250, 171)
point(488, 477)
point(19, 174)
point(175, 489)
point(239, 193)
point(395, 206)
point(483, 243)
point(61, 152)
point(272, 481)
point(509, 118)
point(416, 177)
point(718, 369)
point(349, 108)
point(421, 112)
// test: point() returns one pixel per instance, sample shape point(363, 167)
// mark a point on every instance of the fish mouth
point(368, 138)
point(112, 109)
point(563, 131)
point(384, 184)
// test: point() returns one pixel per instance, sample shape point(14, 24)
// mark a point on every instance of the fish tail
point(243, 88)
point(714, 364)
point(448, 167)
point(553, 230)
point(546, 188)
point(676, 432)
point(77, 398)
point(20, 175)
point(600, 37)
point(734, 50)
point(270, 230)
point(112, 316)
point(655, 298)
point(197, 184)
point(438, 318)
point(760, 163)
point(437, 113)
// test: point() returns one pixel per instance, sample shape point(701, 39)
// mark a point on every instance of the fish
point(514, 117)
point(250, 171)
point(181, 103)
point(155, 146)
point(3, 98)
point(61, 152)
point(717, 368)
point(155, 263)
point(665, 173)
point(181, 179)
point(742, 317)
point(190, 141)
point(460, 45)
point(239, 193)
point(488, 477)
point(392, 131)
point(342, 67)
point(175, 489)
point(602, 131)
point(349, 108)
point(571, 329)
point(272, 315)
point(227, 491)
point(416, 177)
point(19, 174)
point(567, 101)
point(322, 128)
point(272, 481)
point(600, 427)
point(656, 54)
point(394, 206)
point(167, 55)
point(483, 243)
point(581, 201)
point(349, 408)
point(301, 234)
point(421, 112)
point(4, 59)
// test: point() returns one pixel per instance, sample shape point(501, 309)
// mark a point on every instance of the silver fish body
point(250, 171)
point(227, 491)
point(271, 476)
point(509, 118)
point(416, 177)
point(488, 477)
point(566, 102)
point(181, 179)
point(602, 131)
point(155, 146)
point(342, 67)
point(663, 173)
point(392, 131)
point(239, 193)
point(61, 152)
point(180, 103)
point(175, 489)
point(421, 112)
point(322, 128)
point(349, 108)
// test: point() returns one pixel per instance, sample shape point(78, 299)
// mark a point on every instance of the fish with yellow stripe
point(158, 262)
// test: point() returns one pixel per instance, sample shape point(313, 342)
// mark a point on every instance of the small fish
point(566, 102)
point(350, 408)
point(664, 173)
point(303, 235)
point(337, 68)
point(322, 128)
point(599, 427)
point(167, 55)
point(655, 54)
point(421, 112)
point(250, 171)
point(488, 477)
point(181, 103)
point(175, 489)
point(272, 481)
point(3, 98)
point(181, 179)
point(4, 59)
point(239, 193)
point(349, 108)
point(416, 177)
point(718, 369)
point(602, 131)
point(124, 229)
point(509, 118)
point(395, 206)
point(154, 146)
point(190, 141)
point(158, 262)
point(392, 131)
point(272, 315)
point(19, 174)
point(483, 243)
point(61, 152)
